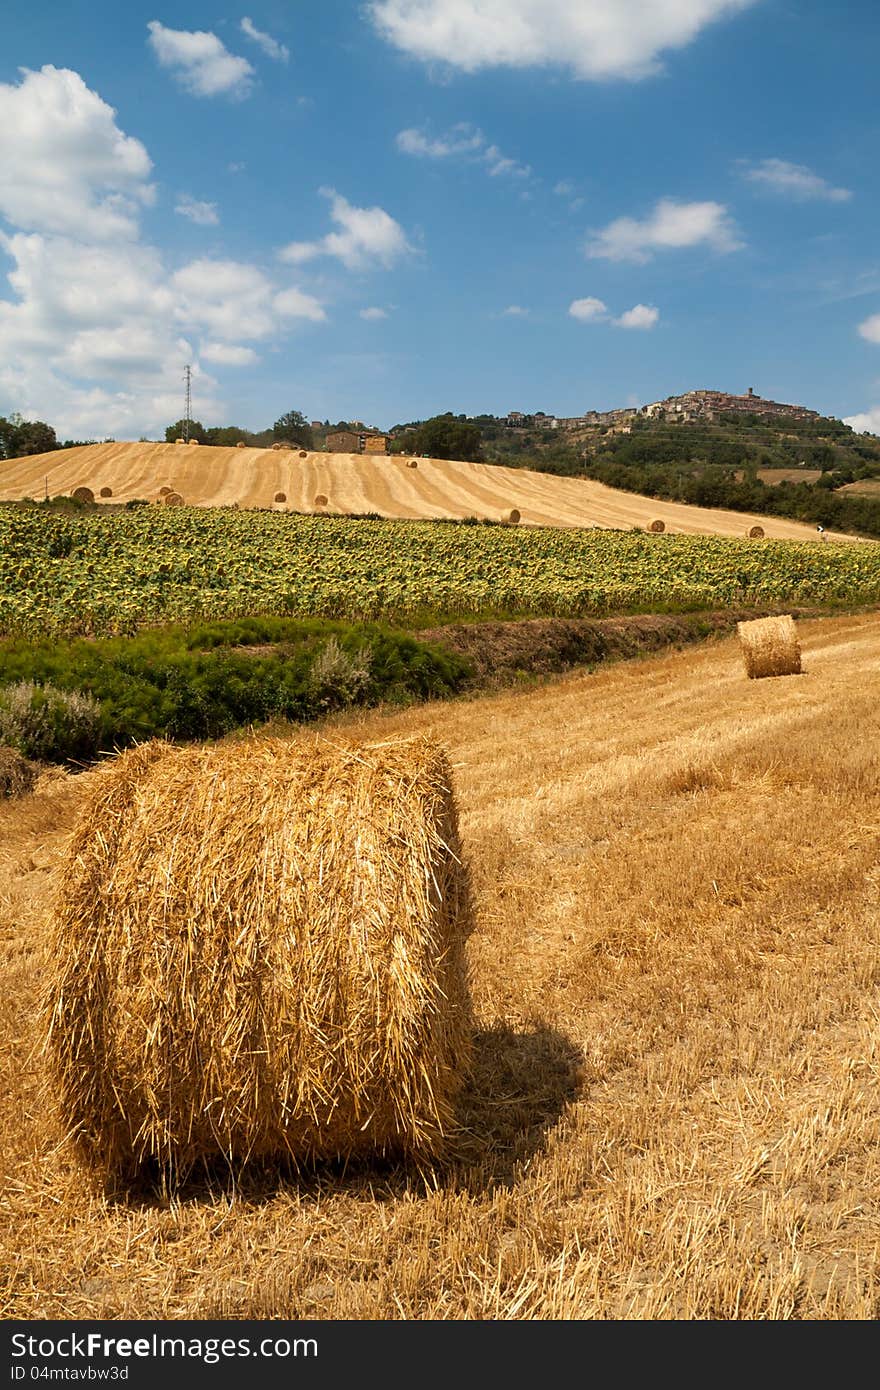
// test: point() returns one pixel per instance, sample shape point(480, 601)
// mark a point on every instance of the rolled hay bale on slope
point(180, 441)
point(280, 497)
point(303, 453)
point(164, 490)
point(512, 517)
point(172, 499)
point(241, 444)
point(657, 526)
point(412, 463)
point(192, 441)
point(106, 492)
point(259, 955)
point(755, 533)
point(320, 500)
point(770, 647)
point(83, 494)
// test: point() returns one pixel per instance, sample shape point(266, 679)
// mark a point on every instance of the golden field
point(206, 476)
point(675, 1104)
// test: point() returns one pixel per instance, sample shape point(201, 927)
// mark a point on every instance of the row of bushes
point(67, 701)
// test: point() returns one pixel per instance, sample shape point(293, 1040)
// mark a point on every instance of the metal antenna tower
point(187, 410)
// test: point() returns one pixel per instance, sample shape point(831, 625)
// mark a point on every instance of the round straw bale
point(303, 453)
point(280, 497)
point(180, 441)
point(512, 517)
point(258, 953)
point(192, 441)
point(83, 494)
point(172, 499)
point(657, 526)
point(279, 446)
point(770, 647)
point(413, 463)
point(164, 490)
point(755, 533)
point(106, 492)
point(241, 444)
point(320, 500)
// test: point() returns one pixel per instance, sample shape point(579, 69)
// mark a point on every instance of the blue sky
point(385, 210)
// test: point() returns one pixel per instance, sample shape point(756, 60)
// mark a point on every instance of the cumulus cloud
point(203, 214)
point(869, 329)
point(200, 61)
point(868, 422)
point(366, 237)
point(671, 226)
point(594, 39)
point(228, 354)
point(639, 316)
point(373, 313)
point(514, 311)
point(65, 166)
point(235, 300)
point(793, 181)
point(271, 47)
point(587, 310)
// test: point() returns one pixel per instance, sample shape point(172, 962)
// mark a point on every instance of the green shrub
point(49, 725)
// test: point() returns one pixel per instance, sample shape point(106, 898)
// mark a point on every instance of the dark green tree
point(178, 431)
point(19, 437)
point(293, 428)
point(446, 437)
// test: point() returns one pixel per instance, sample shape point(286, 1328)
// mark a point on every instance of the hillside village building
point(693, 405)
point(357, 442)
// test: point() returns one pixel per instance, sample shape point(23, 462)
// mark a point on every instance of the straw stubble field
point(674, 1109)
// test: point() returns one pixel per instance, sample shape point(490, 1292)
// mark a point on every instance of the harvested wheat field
point(674, 1109)
point(388, 486)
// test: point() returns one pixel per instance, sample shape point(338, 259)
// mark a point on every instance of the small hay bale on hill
point(164, 490)
point(172, 499)
point(192, 441)
point(755, 533)
point(241, 444)
point(258, 954)
point(412, 463)
point(303, 453)
point(83, 494)
point(106, 492)
point(180, 441)
point(321, 500)
point(17, 775)
point(657, 526)
point(770, 647)
point(512, 517)
point(280, 497)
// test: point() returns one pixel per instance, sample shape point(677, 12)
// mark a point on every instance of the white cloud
point(367, 237)
point(564, 188)
point(201, 62)
point(65, 166)
point(868, 422)
point(670, 226)
point(514, 311)
point(203, 214)
point(228, 354)
point(587, 310)
point(373, 313)
point(462, 139)
point(595, 39)
point(294, 304)
point(271, 47)
point(793, 181)
point(639, 316)
point(869, 329)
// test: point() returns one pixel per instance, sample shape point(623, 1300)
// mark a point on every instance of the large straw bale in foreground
point(259, 953)
point(770, 647)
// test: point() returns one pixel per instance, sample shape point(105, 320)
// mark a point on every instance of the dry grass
point(260, 955)
point(675, 1102)
point(17, 775)
point(770, 647)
